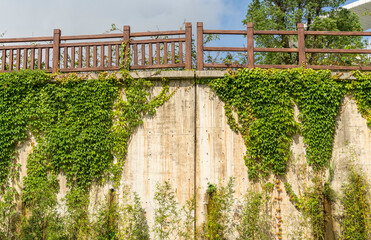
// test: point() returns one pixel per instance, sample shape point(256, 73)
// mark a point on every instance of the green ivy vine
point(18, 105)
point(82, 129)
point(361, 88)
point(264, 102)
point(80, 125)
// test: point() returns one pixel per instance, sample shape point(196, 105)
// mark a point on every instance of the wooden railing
point(301, 50)
point(84, 53)
point(154, 50)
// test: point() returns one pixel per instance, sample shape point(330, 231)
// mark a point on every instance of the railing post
point(56, 50)
point(301, 44)
point(250, 45)
point(126, 40)
point(188, 45)
point(200, 46)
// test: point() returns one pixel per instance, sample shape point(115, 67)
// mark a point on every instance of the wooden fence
point(102, 52)
point(153, 50)
point(301, 50)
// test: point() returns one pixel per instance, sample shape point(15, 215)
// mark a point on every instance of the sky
point(26, 18)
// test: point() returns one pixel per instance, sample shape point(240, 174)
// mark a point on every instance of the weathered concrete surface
point(164, 149)
point(352, 146)
point(219, 152)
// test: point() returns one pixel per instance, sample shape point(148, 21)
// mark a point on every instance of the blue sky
point(24, 18)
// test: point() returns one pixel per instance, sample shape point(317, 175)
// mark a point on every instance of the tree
point(317, 15)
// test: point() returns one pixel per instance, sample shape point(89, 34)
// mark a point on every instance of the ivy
point(18, 105)
point(80, 125)
point(361, 89)
point(219, 208)
point(73, 132)
point(312, 204)
point(255, 221)
point(265, 116)
point(318, 97)
point(264, 101)
point(356, 221)
point(83, 127)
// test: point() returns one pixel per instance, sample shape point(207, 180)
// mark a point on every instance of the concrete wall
point(164, 149)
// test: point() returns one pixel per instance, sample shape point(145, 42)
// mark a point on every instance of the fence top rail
point(26, 46)
point(231, 32)
point(157, 33)
point(92, 36)
point(275, 32)
point(286, 32)
point(337, 33)
point(27, 39)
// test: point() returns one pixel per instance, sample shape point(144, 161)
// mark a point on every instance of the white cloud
point(23, 18)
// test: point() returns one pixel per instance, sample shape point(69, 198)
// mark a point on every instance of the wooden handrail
point(152, 50)
point(100, 52)
point(250, 49)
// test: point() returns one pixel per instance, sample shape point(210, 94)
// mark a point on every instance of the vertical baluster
point(150, 54)
point(72, 57)
point(39, 58)
point(143, 48)
point(46, 58)
point(87, 56)
point(117, 56)
point(172, 52)
point(18, 59)
point(109, 56)
point(135, 54)
point(32, 59)
point(80, 58)
point(65, 58)
point(180, 52)
point(158, 54)
point(10, 60)
point(95, 56)
point(165, 52)
point(3, 60)
point(102, 56)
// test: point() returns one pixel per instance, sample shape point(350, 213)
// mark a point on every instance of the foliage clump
point(264, 102)
point(255, 222)
point(318, 97)
point(361, 89)
point(19, 103)
point(265, 116)
point(356, 217)
point(80, 125)
point(219, 210)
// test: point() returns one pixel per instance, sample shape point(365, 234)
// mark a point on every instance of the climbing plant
point(19, 93)
point(264, 102)
point(361, 88)
point(318, 97)
point(255, 222)
point(265, 116)
point(80, 125)
point(356, 221)
point(82, 128)
point(219, 209)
